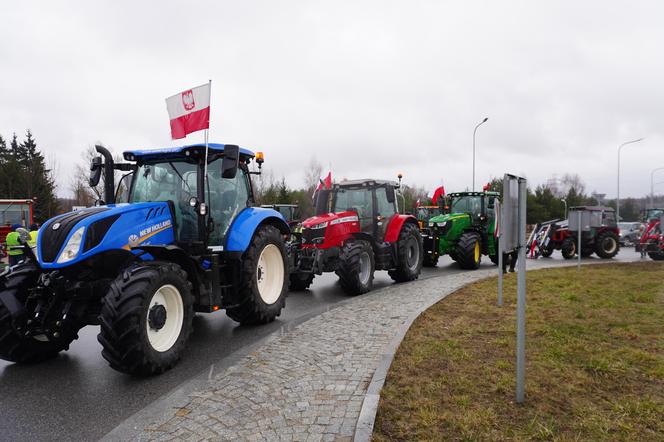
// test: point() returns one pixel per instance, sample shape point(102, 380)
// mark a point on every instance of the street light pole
point(474, 131)
point(618, 189)
point(652, 186)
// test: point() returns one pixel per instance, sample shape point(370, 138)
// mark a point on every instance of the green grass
point(595, 361)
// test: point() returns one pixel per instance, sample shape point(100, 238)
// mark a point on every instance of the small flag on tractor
point(323, 184)
point(189, 111)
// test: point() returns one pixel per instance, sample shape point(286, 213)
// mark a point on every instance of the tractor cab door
point(226, 197)
point(385, 211)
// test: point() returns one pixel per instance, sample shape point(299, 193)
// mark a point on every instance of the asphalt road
point(77, 396)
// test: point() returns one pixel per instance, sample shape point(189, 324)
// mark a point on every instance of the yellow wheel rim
point(477, 252)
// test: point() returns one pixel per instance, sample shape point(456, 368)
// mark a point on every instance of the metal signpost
point(499, 237)
point(578, 261)
point(513, 238)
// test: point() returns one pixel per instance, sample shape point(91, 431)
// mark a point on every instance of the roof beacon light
point(400, 175)
point(260, 159)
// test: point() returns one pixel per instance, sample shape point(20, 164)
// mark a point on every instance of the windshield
point(170, 181)
point(466, 204)
point(654, 214)
point(357, 200)
point(14, 213)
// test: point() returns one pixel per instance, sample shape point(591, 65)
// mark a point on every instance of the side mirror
point(390, 194)
point(231, 161)
point(95, 171)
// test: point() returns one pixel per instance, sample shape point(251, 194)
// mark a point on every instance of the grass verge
point(594, 352)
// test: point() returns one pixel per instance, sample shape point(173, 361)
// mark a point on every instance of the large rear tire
point(469, 251)
point(356, 267)
point(300, 281)
point(607, 245)
point(16, 347)
point(146, 318)
point(409, 254)
point(264, 284)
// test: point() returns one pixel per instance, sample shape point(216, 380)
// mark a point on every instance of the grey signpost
point(513, 237)
point(499, 237)
point(578, 261)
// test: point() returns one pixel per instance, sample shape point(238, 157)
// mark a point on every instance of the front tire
point(409, 255)
point(356, 267)
point(469, 251)
point(656, 256)
point(15, 347)
point(568, 248)
point(607, 245)
point(263, 288)
point(546, 252)
point(146, 318)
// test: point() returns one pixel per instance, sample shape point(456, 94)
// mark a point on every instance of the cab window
point(227, 198)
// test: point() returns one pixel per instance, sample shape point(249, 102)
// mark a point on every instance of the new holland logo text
point(155, 227)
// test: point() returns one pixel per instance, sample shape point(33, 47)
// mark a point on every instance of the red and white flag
point(437, 194)
point(189, 111)
point(324, 184)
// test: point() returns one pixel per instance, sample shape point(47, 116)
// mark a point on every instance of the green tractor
point(465, 232)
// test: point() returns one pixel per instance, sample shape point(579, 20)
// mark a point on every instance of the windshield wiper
point(181, 178)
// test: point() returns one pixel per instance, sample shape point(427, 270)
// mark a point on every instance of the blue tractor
point(181, 235)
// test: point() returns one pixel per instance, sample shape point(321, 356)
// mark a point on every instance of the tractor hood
point(73, 237)
point(440, 219)
point(322, 221)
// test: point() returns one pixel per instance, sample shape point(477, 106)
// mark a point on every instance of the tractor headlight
point(72, 247)
point(319, 226)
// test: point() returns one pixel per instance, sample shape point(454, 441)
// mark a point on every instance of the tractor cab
point(479, 205)
point(290, 212)
point(599, 232)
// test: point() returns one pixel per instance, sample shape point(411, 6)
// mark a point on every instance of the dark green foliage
point(23, 175)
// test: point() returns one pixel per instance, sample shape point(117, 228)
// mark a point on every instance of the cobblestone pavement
point(308, 384)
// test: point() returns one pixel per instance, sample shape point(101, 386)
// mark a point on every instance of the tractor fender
point(247, 222)
point(395, 225)
point(174, 254)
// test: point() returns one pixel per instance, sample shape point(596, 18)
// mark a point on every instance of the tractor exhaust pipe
point(109, 175)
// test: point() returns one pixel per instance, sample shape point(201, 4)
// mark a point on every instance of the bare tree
point(312, 175)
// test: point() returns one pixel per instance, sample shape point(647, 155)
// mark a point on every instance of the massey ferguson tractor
point(180, 243)
point(652, 239)
point(466, 232)
point(599, 232)
point(358, 230)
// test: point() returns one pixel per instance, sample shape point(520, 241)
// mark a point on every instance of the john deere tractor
point(185, 239)
point(465, 233)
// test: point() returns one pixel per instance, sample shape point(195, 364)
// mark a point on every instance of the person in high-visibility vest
point(34, 230)
point(14, 247)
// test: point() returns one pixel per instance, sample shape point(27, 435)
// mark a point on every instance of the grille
point(309, 235)
point(52, 240)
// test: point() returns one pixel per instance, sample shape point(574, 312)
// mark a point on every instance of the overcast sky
point(371, 87)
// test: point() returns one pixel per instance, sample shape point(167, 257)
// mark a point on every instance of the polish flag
point(324, 184)
point(439, 192)
point(189, 111)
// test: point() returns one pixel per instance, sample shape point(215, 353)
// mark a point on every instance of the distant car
point(630, 232)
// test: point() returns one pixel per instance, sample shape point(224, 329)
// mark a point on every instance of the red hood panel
point(327, 217)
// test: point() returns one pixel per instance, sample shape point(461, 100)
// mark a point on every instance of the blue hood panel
point(137, 223)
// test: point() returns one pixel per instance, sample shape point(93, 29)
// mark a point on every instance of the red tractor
point(599, 234)
point(358, 230)
point(652, 239)
point(13, 212)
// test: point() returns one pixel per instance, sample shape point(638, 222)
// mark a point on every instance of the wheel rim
point(164, 318)
point(412, 255)
point(365, 268)
point(609, 245)
point(270, 274)
point(477, 252)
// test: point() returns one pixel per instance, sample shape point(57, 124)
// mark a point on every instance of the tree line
point(24, 175)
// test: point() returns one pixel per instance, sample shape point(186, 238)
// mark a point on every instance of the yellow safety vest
point(33, 238)
point(13, 246)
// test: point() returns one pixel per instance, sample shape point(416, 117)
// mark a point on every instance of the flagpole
point(206, 135)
